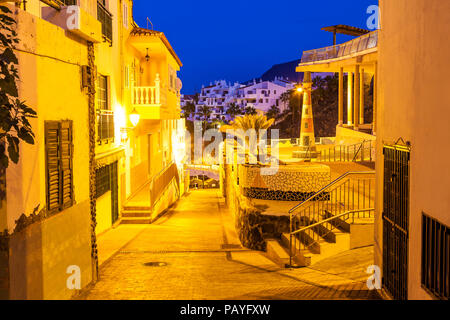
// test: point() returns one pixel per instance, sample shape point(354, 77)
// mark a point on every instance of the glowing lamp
point(299, 89)
point(134, 117)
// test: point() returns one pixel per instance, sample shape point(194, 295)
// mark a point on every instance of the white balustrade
point(147, 96)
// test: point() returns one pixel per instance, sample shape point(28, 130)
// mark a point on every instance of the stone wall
point(251, 225)
point(289, 183)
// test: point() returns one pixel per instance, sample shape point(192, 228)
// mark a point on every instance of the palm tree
point(234, 110)
point(241, 125)
point(188, 109)
point(273, 113)
point(250, 111)
point(205, 112)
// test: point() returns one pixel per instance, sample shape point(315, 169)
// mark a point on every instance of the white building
point(220, 95)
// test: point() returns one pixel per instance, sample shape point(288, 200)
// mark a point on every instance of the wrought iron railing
point(363, 43)
point(350, 196)
point(105, 17)
point(360, 152)
point(105, 126)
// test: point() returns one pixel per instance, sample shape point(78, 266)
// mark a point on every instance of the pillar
point(350, 99)
point(341, 96)
point(356, 99)
point(361, 97)
point(307, 138)
point(375, 99)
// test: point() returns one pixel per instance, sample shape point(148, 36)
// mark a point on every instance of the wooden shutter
point(59, 161)
point(52, 160)
point(66, 168)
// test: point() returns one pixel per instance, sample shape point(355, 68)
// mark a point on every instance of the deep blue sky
point(239, 40)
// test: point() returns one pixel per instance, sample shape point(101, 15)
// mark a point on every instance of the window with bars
point(435, 257)
point(59, 165)
point(103, 181)
point(105, 18)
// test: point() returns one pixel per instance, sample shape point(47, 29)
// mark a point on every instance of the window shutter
point(53, 173)
point(66, 168)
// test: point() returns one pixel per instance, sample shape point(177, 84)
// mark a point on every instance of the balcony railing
point(105, 126)
point(363, 43)
point(145, 96)
point(105, 18)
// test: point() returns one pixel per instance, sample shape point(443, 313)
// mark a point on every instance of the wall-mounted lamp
point(299, 89)
point(134, 117)
point(147, 57)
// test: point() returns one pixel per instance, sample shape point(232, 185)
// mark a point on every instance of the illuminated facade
point(107, 97)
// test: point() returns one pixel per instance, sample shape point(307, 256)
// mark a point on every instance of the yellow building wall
point(413, 104)
point(104, 216)
point(50, 83)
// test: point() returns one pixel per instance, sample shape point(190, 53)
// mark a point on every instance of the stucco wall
point(414, 99)
point(50, 83)
point(40, 256)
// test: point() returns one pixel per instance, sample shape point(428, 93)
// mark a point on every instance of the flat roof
point(348, 30)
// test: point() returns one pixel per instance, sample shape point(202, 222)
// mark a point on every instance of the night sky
point(240, 40)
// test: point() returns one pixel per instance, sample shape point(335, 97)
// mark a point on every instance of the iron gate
point(396, 220)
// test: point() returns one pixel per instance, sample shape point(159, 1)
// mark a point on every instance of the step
point(136, 213)
point(277, 253)
point(298, 258)
point(339, 223)
point(329, 249)
point(136, 220)
point(136, 208)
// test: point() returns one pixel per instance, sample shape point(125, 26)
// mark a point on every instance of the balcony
point(73, 17)
point(361, 44)
point(105, 18)
point(105, 126)
point(148, 100)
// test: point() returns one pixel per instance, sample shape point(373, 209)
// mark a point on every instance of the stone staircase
point(136, 215)
point(320, 242)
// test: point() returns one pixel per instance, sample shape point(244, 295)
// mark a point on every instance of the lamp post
point(300, 91)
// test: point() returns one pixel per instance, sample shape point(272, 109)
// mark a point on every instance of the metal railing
point(161, 182)
point(105, 17)
point(105, 125)
point(360, 152)
point(316, 217)
point(360, 44)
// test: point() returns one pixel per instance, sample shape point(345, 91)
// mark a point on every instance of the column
point(356, 99)
point(375, 99)
point(350, 99)
point(341, 97)
point(361, 97)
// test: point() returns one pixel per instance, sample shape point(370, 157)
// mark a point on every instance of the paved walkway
point(192, 253)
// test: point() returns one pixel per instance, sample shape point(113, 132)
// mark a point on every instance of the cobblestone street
point(193, 253)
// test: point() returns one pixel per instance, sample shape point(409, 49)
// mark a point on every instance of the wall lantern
point(134, 117)
point(299, 89)
point(147, 57)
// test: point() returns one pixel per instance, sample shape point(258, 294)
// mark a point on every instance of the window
point(435, 258)
point(59, 165)
point(306, 125)
point(105, 117)
point(102, 93)
point(105, 18)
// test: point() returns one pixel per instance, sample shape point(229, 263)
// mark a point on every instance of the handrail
point(359, 149)
point(331, 219)
point(329, 185)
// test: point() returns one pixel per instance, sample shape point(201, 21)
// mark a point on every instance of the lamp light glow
point(134, 118)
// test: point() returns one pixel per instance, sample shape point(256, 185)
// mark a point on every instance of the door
point(114, 178)
point(396, 221)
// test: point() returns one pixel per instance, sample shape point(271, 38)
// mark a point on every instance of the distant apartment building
point(219, 96)
point(107, 97)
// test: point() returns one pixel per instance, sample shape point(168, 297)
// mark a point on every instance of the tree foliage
point(14, 114)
